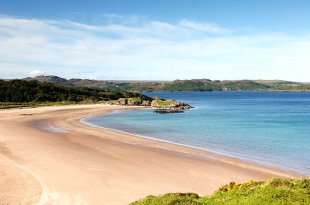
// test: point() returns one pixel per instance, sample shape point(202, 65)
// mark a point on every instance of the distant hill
point(48, 79)
point(278, 83)
point(103, 84)
point(179, 85)
point(209, 85)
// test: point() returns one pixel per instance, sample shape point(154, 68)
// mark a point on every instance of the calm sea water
point(269, 128)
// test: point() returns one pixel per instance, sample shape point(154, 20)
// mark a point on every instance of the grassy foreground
point(273, 191)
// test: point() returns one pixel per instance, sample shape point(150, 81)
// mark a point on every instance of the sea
point(267, 128)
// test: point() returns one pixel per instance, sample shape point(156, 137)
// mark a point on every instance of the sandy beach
point(48, 157)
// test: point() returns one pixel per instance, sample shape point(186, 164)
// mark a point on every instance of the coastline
point(207, 151)
point(108, 166)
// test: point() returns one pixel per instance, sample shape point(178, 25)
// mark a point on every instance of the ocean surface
point(269, 128)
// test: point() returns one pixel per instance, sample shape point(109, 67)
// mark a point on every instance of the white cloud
point(148, 50)
point(205, 27)
point(36, 72)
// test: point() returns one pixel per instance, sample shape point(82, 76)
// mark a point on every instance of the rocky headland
point(157, 104)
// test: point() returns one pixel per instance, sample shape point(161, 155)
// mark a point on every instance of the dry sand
point(48, 157)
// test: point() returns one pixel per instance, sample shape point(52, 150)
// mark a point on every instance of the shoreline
point(88, 165)
point(214, 153)
point(209, 151)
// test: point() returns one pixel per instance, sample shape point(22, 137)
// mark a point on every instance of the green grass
point(163, 103)
point(271, 192)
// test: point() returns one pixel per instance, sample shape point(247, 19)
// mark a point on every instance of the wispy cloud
point(205, 27)
point(140, 48)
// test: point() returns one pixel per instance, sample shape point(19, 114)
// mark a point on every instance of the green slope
point(270, 192)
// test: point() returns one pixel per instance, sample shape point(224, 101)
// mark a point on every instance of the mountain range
point(178, 85)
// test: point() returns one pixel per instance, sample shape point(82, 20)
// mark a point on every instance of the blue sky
point(156, 40)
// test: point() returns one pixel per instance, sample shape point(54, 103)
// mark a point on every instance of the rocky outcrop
point(159, 105)
point(122, 101)
point(169, 106)
point(134, 101)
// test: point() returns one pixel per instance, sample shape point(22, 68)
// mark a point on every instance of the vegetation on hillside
point(33, 92)
point(102, 84)
point(243, 85)
point(299, 88)
point(271, 192)
point(179, 85)
point(191, 85)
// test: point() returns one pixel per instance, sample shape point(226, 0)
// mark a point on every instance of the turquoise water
point(269, 128)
